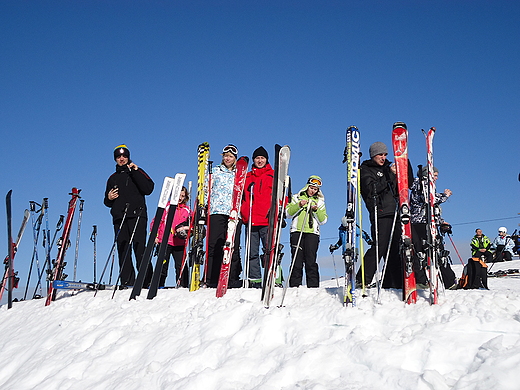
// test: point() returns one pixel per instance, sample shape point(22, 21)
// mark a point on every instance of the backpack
point(474, 275)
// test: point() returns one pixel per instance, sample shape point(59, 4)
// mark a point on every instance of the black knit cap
point(260, 151)
point(121, 150)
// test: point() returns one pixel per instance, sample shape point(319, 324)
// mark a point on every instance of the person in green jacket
point(480, 246)
point(307, 209)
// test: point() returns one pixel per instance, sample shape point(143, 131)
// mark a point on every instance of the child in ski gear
point(176, 238)
point(378, 189)
point(129, 185)
point(480, 246)
point(503, 246)
point(222, 183)
point(307, 209)
point(420, 227)
point(255, 210)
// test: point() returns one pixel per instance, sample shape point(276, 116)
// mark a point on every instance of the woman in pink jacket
point(176, 239)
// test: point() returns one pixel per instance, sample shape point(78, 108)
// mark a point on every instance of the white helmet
point(502, 229)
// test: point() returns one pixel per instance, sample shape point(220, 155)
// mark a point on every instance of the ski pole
point(77, 237)
point(114, 243)
point(454, 247)
point(187, 242)
point(129, 247)
point(93, 238)
point(305, 218)
point(361, 231)
point(248, 238)
point(36, 233)
point(47, 263)
point(389, 247)
point(376, 242)
point(332, 248)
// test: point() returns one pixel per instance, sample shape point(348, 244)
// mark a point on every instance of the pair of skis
point(10, 278)
point(273, 254)
point(400, 144)
point(63, 244)
point(170, 192)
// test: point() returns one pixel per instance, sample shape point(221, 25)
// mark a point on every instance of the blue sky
point(79, 78)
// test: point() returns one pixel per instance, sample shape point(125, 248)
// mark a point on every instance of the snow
point(192, 340)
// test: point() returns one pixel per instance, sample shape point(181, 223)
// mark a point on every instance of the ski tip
point(352, 127)
point(400, 124)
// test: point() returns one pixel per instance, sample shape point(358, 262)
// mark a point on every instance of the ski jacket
point(506, 242)
point(222, 183)
point(418, 204)
point(259, 182)
point(314, 218)
point(383, 180)
point(477, 243)
point(133, 185)
point(181, 218)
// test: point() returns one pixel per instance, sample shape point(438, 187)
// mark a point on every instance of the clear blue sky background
point(79, 78)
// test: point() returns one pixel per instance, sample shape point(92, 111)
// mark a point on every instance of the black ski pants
point(394, 270)
point(126, 267)
point(217, 238)
point(178, 253)
point(306, 256)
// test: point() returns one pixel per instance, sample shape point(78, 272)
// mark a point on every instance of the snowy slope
point(183, 340)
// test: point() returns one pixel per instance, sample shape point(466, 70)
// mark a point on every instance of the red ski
point(238, 189)
point(59, 263)
point(400, 144)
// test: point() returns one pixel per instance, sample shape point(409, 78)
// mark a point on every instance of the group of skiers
point(501, 249)
point(125, 195)
point(127, 187)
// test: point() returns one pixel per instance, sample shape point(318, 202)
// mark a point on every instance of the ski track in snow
point(183, 340)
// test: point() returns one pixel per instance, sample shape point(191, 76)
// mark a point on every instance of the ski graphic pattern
point(238, 189)
point(400, 145)
point(174, 201)
point(59, 263)
point(348, 230)
point(276, 213)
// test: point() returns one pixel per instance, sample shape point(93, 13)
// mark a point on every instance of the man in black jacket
point(125, 190)
point(378, 184)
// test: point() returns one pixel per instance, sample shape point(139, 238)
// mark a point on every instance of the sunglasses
point(230, 149)
point(314, 182)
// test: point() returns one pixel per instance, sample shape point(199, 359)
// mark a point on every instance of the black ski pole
point(77, 237)
point(36, 234)
point(127, 252)
point(93, 238)
point(9, 250)
point(113, 246)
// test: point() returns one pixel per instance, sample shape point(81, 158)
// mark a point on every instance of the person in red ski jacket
point(176, 239)
point(255, 210)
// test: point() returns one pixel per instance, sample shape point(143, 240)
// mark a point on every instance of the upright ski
point(273, 254)
point(400, 144)
point(429, 189)
point(9, 262)
point(196, 252)
point(238, 189)
point(174, 201)
point(166, 191)
point(63, 243)
point(348, 230)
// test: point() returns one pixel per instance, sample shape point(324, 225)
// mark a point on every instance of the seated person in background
point(480, 246)
point(503, 246)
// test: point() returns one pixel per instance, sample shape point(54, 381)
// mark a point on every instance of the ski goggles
point(230, 149)
point(313, 181)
